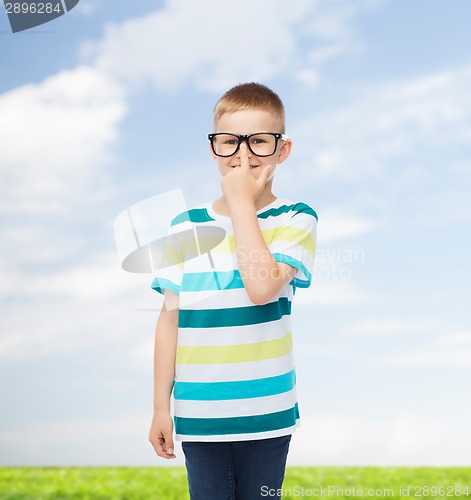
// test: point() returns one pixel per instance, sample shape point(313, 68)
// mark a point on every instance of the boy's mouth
point(251, 166)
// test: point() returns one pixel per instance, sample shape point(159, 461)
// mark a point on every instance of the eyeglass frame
point(246, 138)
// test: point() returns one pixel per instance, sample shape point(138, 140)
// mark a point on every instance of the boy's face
point(250, 121)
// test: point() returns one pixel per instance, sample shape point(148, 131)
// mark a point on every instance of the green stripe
point(193, 215)
point(235, 353)
point(293, 235)
point(237, 425)
point(297, 208)
point(239, 389)
point(234, 316)
point(281, 232)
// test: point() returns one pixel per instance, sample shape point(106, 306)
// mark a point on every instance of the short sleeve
point(294, 242)
point(170, 265)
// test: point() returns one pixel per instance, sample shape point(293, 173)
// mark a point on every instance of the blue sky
point(93, 108)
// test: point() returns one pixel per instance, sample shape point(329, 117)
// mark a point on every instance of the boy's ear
point(285, 150)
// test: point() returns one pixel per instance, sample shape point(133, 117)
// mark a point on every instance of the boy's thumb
point(268, 171)
point(169, 444)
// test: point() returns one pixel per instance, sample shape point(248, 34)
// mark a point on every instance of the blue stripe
point(280, 257)
point(242, 389)
point(296, 208)
point(237, 425)
point(303, 208)
point(192, 215)
point(159, 283)
point(234, 316)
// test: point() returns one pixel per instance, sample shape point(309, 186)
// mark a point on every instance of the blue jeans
point(238, 470)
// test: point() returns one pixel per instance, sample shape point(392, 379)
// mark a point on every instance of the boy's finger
point(162, 447)
point(169, 446)
point(244, 157)
point(161, 452)
point(157, 444)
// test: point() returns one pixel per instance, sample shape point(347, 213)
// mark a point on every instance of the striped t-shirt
point(235, 377)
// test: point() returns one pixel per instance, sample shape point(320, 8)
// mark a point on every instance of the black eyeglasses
point(260, 144)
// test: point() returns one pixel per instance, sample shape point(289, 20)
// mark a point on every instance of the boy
point(223, 337)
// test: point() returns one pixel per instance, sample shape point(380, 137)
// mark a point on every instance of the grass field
point(169, 483)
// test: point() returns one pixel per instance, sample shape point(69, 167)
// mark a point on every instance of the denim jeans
point(237, 470)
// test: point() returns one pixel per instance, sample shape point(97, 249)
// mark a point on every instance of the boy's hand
point(161, 434)
point(240, 185)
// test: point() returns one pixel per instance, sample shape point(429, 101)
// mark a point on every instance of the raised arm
point(262, 275)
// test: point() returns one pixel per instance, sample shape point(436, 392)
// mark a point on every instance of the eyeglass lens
point(260, 144)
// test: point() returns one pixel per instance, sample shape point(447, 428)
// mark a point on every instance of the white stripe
point(236, 297)
point(235, 407)
point(241, 437)
point(205, 299)
point(223, 261)
point(234, 371)
point(233, 335)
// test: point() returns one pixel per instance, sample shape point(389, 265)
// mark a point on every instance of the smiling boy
point(223, 340)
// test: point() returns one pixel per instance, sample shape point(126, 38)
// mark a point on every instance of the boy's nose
point(247, 150)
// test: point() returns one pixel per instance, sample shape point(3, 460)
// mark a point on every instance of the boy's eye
point(258, 140)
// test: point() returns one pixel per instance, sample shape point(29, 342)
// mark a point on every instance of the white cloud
point(55, 137)
point(332, 24)
point(401, 125)
point(255, 41)
point(99, 279)
point(121, 440)
point(454, 340)
point(324, 53)
point(462, 166)
point(330, 292)
point(434, 357)
point(392, 326)
point(86, 8)
point(69, 317)
point(335, 225)
point(451, 349)
point(404, 439)
point(309, 77)
point(333, 276)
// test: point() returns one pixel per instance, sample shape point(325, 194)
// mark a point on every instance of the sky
point(111, 104)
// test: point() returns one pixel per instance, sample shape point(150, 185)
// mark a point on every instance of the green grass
point(169, 483)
